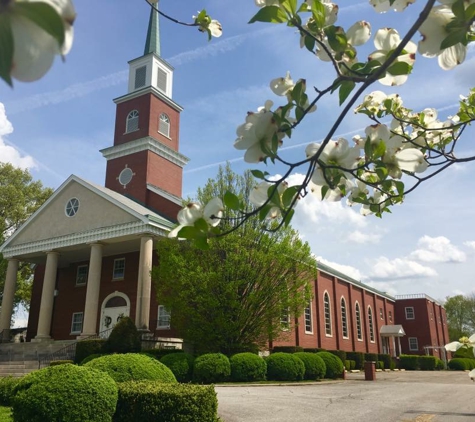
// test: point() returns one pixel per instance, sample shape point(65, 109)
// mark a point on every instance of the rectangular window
point(76, 324)
point(285, 319)
point(81, 275)
point(381, 313)
point(162, 80)
point(390, 316)
point(140, 75)
point(164, 315)
point(119, 269)
point(308, 319)
point(409, 312)
point(413, 345)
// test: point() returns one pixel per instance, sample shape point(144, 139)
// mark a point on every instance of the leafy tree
point(460, 312)
point(234, 293)
point(20, 197)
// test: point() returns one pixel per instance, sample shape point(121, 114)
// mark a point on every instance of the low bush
point(380, 364)
point(60, 362)
point(427, 363)
point(7, 384)
point(247, 367)
point(284, 367)
point(287, 349)
point(132, 367)
point(439, 365)
point(371, 357)
point(91, 357)
point(333, 364)
point(386, 359)
point(85, 348)
point(340, 353)
point(211, 368)
point(242, 348)
point(352, 364)
point(160, 353)
point(347, 364)
point(181, 364)
point(458, 364)
point(312, 350)
point(124, 338)
point(151, 401)
point(66, 393)
point(409, 362)
point(358, 357)
point(470, 363)
point(315, 367)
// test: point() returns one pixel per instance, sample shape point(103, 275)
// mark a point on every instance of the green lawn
point(5, 414)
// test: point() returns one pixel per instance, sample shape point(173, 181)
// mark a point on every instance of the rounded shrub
point(181, 364)
point(211, 368)
point(151, 401)
point(427, 363)
point(7, 385)
point(60, 362)
point(285, 367)
point(340, 353)
point(458, 364)
point(124, 338)
point(91, 357)
point(132, 367)
point(287, 349)
point(439, 364)
point(315, 367)
point(247, 367)
point(66, 393)
point(358, 357)
point(334, 365)
point(409, 362)
point(84, 348)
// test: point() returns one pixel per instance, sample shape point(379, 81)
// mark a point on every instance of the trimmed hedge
point(284, 367)
point(181, 364)
point(60, 362)
point(409, 362)
point(427, 363)
point(66, 393)
point(91, 357)
point(340, 353)
point(287, 349)
point(312, 350)
point(124, 338)
point(334, 365)
point(379, 364)
point(247, 367)
point(85, 348)
point(315, 367)
point(371, 357)
point(358, 357)
point(439, 365)
point(160, 353)
point(242, 348)
point(347, 364)
point(211, 368)
point(7, 385)
point(458, 364)
point(352, 364)
point(151, 401)
point(132, 367)
point(388, 361)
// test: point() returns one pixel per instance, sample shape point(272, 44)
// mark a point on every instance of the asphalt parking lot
point(411, 396)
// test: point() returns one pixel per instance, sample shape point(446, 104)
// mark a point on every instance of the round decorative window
point(72, 207)
point(125, 176)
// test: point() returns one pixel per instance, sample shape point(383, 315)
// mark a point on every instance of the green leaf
point(318, 12)
point(290, 6)
point(201, 225)
point(188, 232)
point(272, 14)
point(453, 38)
point(44, 16)
point(264, 211)
point(6, 48)
point(459, 9)
point(288, 217)
point(470, 12)
point(400, 68)
point(274, 196)
point(289, 195)
point(303, 8)
point(297, 91)
point(336, 38)
point(309, 43)
point(345, 89)
point(368, 149)
point(258, 174)
point(325, 189)
point(201, 242)
point(232, 201)
point(379, 150)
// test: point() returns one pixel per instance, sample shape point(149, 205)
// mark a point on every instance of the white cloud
point(470, 244)
point(400, 268)
point(344, 269)
point(8, 154)
point(360, 237)
point(437, 249)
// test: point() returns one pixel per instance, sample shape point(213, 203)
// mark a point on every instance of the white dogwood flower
point(282, 86)
point(382, 6)
point(359, 33)
point(260, 194)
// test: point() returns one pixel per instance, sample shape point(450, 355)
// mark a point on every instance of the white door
point(114, 308)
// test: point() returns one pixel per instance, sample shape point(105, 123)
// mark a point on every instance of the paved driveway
point(396, 396)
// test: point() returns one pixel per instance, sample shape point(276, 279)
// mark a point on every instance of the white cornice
point(145, 144)
point(149, 90)
point(175, 199)
point(91, 236)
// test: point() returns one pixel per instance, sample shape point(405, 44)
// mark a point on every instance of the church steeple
point(152, 43)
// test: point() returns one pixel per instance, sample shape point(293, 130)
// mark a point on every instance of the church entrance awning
point(392, 331)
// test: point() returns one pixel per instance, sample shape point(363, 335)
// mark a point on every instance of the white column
point(399, 344)
point(144, 284)
point(92, 292)
point(8, 297)
point(47, 296)
point(394, 347)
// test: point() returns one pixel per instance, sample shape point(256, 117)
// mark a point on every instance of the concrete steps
point(17, 369)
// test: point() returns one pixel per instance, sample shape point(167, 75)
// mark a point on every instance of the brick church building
point(93, 246)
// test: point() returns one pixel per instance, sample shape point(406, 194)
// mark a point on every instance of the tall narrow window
point(381, 313)
point(390, 316)
point(132, 123)
point(358, 321)
point(285, 319)
point(140, 76)
point(308, 319)
point(81, 275)
point(370, 323)
point(409, 312)
point(344, 320)
point(164, 315)
point(76, 323)
point(328, 320)
point(162, 80)
point(118, 272)
point(164, 125)
point(413, 344)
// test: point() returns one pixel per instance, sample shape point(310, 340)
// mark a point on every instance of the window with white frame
point(132, 123)
point(390, 316)
point(164, 125)
point(413, 344)
point(140, 77)
point(76, 323)
point(308, 319)
point(164, 315)
point(370, 323)
point(381, 315)
point(285, 319)
point(327, 309)
point(81, 275)
point(359, 332)
point(344, 319)
point(118, 272)
point(409, 312)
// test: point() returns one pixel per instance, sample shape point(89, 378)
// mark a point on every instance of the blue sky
point(62, 121)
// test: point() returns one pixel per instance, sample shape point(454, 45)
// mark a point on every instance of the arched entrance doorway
point(114, 307)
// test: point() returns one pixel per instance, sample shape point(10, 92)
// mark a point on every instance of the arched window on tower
point(132, 123)
point(164, 125)
point(358, 321)
point(370, 323)
point(328, 320)
point(344, 319)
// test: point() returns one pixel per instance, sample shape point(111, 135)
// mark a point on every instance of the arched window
point(164, 125)
point(344, 320)
point(370, 323)
point(132, 123)
point(328, 320)
point(358, 321)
